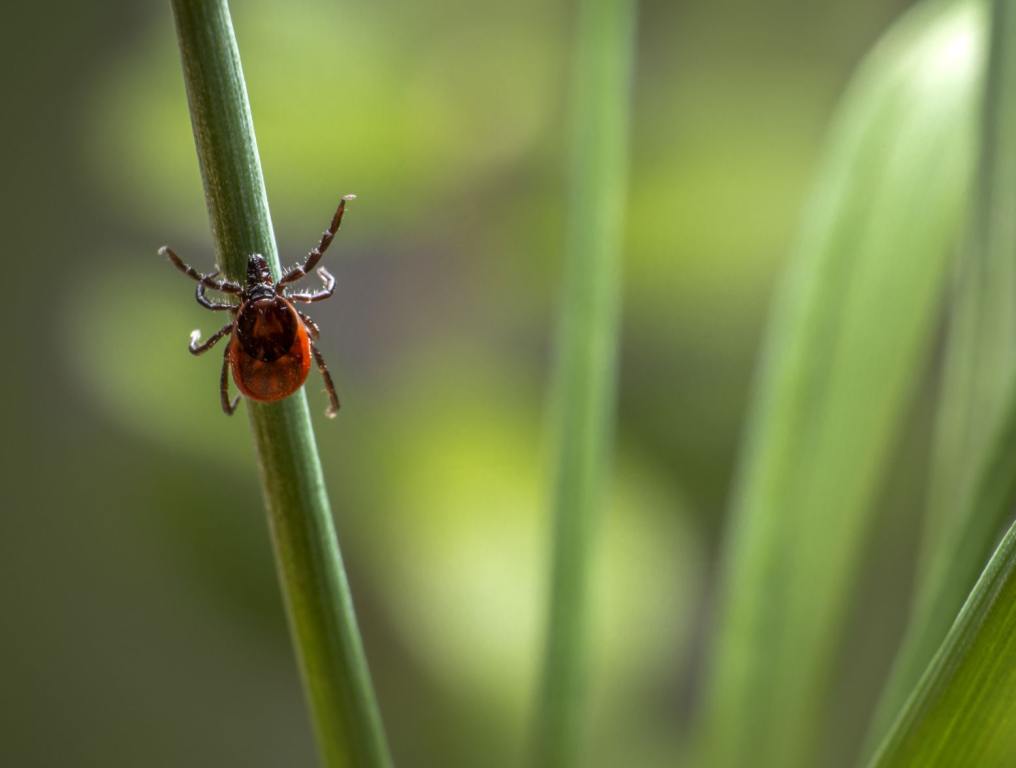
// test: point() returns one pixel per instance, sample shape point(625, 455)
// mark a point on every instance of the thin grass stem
point(329, 650)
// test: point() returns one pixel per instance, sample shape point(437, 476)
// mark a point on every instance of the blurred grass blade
point(846, 349)
point(973, 479)
point(963, 709)
point(323, 624)
point(582, 394)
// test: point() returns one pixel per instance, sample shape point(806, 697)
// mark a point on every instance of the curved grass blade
point(973, 479)
point(845, 351)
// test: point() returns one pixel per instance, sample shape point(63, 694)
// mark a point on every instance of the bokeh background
point(141, 621)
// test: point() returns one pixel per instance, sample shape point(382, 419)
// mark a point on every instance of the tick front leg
point(227, 406)
point(204, 301)
point(324, 293)
point(226, 286)
point(333, 408)
point(295, 273)
point(196, 348)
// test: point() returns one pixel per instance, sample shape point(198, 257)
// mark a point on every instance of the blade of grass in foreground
point(322, 622)
point(963, 709)
point(974, 477)
point(844, 354)
point(583, 388)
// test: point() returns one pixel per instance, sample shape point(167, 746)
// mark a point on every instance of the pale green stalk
point(582, 402)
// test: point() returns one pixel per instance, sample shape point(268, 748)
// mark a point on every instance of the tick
point(271, 341)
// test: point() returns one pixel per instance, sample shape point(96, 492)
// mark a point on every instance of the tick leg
point(333, 408)
point(312, 327)
point(312, 296)
point(197, 349)
point(295, 273)
point(227, 406)
point(226, 286)
point(204, 301)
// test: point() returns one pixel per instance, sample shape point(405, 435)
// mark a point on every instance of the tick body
point(269, 353)
point(271, 342)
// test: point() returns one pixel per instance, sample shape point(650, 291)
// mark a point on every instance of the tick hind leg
point(295, 273)
point(333, 407)
point(227, 406)
point(197, 349)
point(312, 327)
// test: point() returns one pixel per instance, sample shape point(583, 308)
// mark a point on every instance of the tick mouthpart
point(261, 293)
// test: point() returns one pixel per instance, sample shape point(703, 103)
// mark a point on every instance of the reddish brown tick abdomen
point(269, 353)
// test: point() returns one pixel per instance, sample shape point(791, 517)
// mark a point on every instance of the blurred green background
point(141, 619)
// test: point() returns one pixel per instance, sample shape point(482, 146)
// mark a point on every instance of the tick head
point(257, 271)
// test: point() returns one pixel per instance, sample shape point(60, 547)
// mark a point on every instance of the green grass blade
point(844, 354)
point(583, 388)
point(973, 479)
point(962, 711)
point(323, 625)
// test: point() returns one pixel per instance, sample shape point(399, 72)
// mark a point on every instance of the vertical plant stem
point(317, 597)
point(582, 394)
